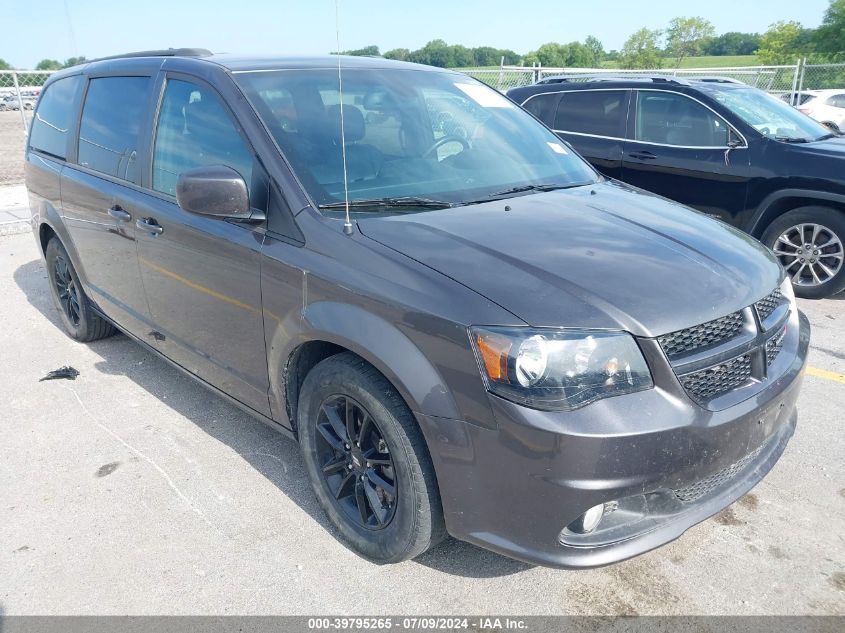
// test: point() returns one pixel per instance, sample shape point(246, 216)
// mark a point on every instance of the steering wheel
point(442, 141)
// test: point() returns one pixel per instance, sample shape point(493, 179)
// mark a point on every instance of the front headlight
point(559, 369)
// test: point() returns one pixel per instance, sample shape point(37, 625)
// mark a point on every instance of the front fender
point(379, 342)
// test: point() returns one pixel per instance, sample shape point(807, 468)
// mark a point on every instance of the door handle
point(642, 155)
point(119, 214)
point(149, 224)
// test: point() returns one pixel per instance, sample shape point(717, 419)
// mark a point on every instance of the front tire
point(368, 462)
point(810, 243)
point(78, 318)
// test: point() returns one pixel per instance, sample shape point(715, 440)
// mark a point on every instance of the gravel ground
point(12, 144)
point(134, 490)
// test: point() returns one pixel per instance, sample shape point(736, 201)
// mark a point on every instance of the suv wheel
point(810, 243)
point(368, 462)
point(78, 318)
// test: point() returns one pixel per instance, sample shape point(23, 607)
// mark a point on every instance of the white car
point(825, 106)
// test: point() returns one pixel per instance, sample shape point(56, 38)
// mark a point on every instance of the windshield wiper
point(824, 137)
point(524, 189)
point(792, 139)
point(391, 203)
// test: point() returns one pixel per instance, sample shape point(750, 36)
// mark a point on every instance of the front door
point(202, 274)
point(681, 149)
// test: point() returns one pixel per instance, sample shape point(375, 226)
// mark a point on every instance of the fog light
point(588, 521)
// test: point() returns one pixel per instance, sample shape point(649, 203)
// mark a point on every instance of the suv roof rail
point(718, 80)
point(164, 52)
point(632, 77)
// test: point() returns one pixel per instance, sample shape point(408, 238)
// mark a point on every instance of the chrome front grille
point(726, 354)
point(704, 385)
point(699, 489)
point(700, 336)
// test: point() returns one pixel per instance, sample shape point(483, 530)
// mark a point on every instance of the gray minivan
point(466, 327)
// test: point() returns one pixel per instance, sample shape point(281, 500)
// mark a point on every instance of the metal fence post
point(801, 77)
point(501, 73)
point(20, 101)
point(793, 99)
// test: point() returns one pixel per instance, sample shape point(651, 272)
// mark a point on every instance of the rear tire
point(397, 521)
point(78, 317)
point(821, 245)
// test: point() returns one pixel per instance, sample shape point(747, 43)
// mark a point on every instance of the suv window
point(597, 112)
point(673, 119)
point(54, 117)
point(111, 125)
point(542, 107)
point(194, 130)
point(837, 101)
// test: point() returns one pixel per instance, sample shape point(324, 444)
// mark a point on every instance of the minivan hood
point(598, 256)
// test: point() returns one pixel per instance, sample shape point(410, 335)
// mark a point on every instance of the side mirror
point(215, 190)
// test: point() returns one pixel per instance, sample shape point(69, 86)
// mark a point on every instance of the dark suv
point(720, 146)
point(465, 326)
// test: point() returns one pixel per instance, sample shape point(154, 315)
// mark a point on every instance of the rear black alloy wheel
point(368, 461)
point(78, 317)
point(66, 289)
point(356, 462)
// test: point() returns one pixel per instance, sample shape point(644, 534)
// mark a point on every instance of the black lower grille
point(769, 303)
point(700, 336)
point(704, 487)
point(773, 346)
point(709, 383)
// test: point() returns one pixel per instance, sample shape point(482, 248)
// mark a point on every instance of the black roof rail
point(717, 80)
point(164, 52)
point(632, 77)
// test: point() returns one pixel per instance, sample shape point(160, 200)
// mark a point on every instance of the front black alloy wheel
point(357, 465)
point(78, 317)
point(367, 461)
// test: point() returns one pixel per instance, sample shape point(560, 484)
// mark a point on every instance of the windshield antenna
point(347, 226)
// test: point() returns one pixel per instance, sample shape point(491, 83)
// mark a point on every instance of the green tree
point(371, 50)
point(435, 53)
point(4, 65)
point(784, 42)
point(596, 49)
point(685, 36)
point(731, 43)
point(402, 54)
point(73, 61)
point(49, 64)
point(829, 38)
point(641, 50)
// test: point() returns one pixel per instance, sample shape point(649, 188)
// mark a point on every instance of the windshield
point(768, 115)
point(410, 135)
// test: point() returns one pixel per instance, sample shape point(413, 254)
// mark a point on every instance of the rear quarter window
point(54, 117)
point(112, 118)
point(596, 112)
point(542, 107)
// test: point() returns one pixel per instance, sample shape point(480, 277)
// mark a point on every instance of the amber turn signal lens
point(494, 351)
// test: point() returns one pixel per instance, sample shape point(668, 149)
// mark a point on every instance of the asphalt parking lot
point(134, 490)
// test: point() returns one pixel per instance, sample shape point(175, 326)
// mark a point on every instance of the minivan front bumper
point(514, 488)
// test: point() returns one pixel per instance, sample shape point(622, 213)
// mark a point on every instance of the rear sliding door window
point(596, 112)
point(110, 129)
point(54, 117)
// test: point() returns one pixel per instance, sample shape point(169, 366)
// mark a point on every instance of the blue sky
point(34, 29)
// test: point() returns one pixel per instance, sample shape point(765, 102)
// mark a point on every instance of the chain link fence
point(774, 79)
point(19, 91)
